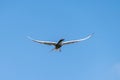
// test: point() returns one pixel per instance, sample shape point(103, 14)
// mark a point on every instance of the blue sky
point(95, 59)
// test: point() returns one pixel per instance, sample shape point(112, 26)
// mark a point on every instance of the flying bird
point(60, 43)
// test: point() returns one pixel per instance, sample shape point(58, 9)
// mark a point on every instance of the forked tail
point(59, 50)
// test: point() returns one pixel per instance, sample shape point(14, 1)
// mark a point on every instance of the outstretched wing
point(43, 42)
point(79, 40)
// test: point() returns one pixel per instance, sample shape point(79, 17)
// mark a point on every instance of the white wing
point(43, 42)
point(79, 40)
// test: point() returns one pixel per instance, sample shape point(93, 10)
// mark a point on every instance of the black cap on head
point(62, 39)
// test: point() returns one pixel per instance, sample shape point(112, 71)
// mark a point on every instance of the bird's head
point(62, 39)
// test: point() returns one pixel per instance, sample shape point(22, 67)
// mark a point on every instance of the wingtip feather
point(30, 38)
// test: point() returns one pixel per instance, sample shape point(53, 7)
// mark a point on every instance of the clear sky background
point(95, 59)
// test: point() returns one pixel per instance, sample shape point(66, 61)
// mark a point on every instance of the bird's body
point(60, 43)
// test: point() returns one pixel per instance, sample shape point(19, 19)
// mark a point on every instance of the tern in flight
point(60, 43)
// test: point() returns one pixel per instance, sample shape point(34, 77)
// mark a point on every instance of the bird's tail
point(59, 50)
